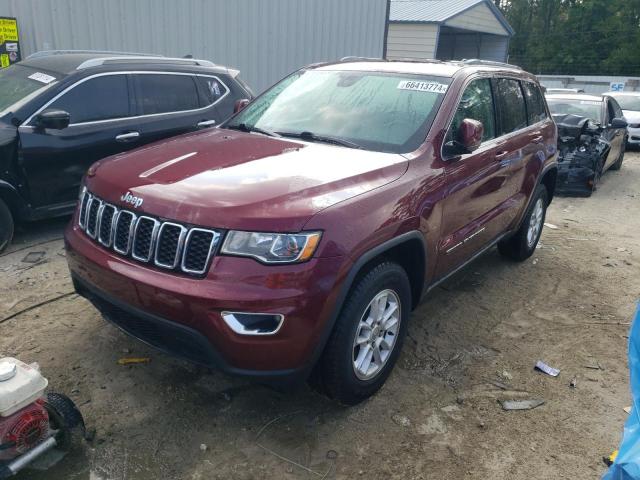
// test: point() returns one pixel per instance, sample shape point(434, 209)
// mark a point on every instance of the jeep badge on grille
point(132, 200)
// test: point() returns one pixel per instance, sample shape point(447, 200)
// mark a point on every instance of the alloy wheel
point(535, 223)
point(376, 335)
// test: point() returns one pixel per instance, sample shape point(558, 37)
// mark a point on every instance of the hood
point(235, 180)
point(631, 116)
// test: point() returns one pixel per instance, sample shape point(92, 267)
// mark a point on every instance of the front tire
point(6, 226)
point(522, 245)
point(368, 335)
point(618, 164)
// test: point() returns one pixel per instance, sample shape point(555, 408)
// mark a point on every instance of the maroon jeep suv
point(297, 237)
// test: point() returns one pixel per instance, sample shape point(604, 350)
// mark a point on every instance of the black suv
point(62, 111)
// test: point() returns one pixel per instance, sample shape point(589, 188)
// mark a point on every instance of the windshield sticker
point(433, 87)
point(42, 78)
point(589, 102)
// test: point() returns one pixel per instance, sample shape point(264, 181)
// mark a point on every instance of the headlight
point(272, 247)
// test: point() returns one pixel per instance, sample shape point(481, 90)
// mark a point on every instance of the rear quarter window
point(211, 90)
point(510, 103)
point(536, 111)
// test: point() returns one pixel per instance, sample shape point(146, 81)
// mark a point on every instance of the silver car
point(630, 104)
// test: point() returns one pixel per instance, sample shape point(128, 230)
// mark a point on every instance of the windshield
point(585, 108)
point(18, 83)
point(629, 102)
point(370, 110)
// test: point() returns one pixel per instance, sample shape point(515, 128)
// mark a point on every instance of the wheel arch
point(399, 249)
point(549, 179)
point(10, 196)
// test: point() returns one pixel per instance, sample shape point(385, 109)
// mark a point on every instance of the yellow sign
point(4, 60)
point(8, 30)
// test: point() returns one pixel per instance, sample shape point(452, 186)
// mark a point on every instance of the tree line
point(578, 37)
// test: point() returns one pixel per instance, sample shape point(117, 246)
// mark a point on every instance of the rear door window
point(510, 105)
point(536, 111)
point(165, 93)
point(476, 104)
point(99, 98)
point(211, 90)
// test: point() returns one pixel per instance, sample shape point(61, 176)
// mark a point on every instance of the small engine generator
point(31, 422)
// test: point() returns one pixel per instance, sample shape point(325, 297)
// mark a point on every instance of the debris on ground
point(608, 461)
point(401, 420)
point(543, 367)
point(133, 360)
point(506, 375)
point(203, 447)
point(551, 226)
point(521, 404)
point(597, 366)
point(627, 410)
point(574, 383)
point(33, 257)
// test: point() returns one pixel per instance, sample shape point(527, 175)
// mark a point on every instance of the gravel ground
point(472, 342)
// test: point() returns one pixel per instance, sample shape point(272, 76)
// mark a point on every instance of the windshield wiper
point(243, 127)
point(312, 137)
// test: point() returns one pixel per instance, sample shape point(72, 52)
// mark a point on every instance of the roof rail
point(362, 59)
point(415, 60)
point(489, 63)
point(48, 53)
point(97, 62)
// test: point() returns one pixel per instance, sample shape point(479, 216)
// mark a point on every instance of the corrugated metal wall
point(265, 39)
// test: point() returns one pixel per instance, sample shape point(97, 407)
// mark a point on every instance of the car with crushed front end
point(630, 104)
point(293, 241)
point(592, 137)
point(60, 111)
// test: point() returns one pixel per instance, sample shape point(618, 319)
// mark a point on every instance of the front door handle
point(502, 154)
point(128, 137)
point(206, 123)
point(538, 140)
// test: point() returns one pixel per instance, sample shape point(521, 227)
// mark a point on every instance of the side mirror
point(470, 134)
point(54, 119)
point(619, 123)
point(468, 138)
point(240, 104)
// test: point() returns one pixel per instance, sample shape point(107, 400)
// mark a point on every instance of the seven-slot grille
point(165, 244)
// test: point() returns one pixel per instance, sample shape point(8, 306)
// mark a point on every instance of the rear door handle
point(128, 137)
point(502, 154)
point(206, 123)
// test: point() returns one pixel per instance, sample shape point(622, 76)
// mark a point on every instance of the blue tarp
point(627, 463)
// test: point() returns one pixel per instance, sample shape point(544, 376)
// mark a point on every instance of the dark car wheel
point(368, 335)
point(6, 226)
point(618, 164)
point(522, 245)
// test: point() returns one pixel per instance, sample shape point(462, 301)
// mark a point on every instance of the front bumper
point(181, 315)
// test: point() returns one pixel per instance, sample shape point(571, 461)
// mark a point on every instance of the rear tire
point(365, 342)
point(618, 164)
point(522, 245)
point(6, 226)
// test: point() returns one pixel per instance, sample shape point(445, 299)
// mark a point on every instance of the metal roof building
point(265, 40)
point(447, 30)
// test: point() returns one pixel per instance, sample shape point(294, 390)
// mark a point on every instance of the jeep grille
point(168, 245)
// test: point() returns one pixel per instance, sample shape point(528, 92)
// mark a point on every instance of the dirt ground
point(472, 342)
